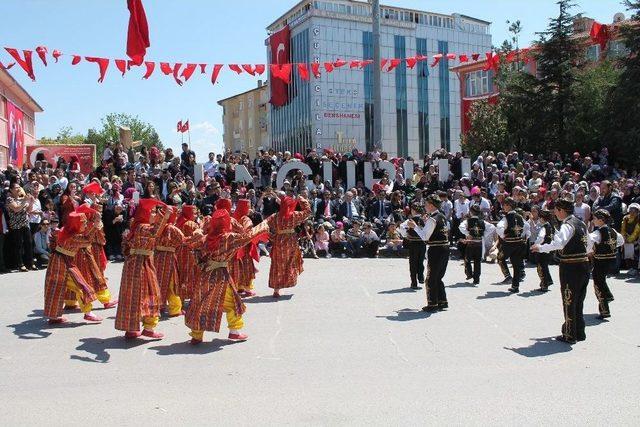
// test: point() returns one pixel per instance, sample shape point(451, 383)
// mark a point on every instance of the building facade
point(421, 106)
point(17, 121)
point(246, 120)
point(478, 84)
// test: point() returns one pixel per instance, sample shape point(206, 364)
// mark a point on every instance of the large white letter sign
point(243, 175)
point(290, 166)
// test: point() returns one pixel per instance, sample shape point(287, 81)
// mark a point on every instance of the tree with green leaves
point(488, 129)
point(110, 131)
point(622, 135)
point(558, 55)
point(65, 136)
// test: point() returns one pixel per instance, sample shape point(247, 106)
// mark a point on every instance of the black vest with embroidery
point(513, 231)
point(575, 251)
point(412, 236)
point(440, 235)
point(548, 233)
point(606, 249)
point(475, 228)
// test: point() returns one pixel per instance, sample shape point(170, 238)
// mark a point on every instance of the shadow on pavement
point(593, 320)
point(181, 348)
point(399, 291)
point(266, 299)
point(542, 347)
point(99, 346)
point(532, 293)
point(462, 285)
point(407, 315)
point(494, 294)
point(37, 327)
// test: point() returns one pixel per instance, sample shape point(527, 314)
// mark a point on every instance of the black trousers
point(600, 270)
point(23, 255)
point(574, 280)
point(473, 261)
point(543, 261)
point(502, 262)
point(417, 251)
point(437, 261)
point(516, 253)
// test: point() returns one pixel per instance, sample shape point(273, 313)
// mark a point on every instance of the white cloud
point(207, 128)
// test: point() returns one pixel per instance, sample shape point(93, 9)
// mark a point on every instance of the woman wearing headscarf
point(243, 270)
point(166, 263)
point(286, 258)
point(188, 225)
point(69, 201)
point(139, 300)
point(215, 292)
point(63, 274)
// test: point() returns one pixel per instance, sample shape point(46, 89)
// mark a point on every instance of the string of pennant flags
point(182, 72)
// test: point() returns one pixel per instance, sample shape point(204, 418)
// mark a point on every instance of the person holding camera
point(19, 207)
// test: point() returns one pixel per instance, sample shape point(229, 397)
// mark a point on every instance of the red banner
point(280, 48)
point(86, 154)
point(15, 134)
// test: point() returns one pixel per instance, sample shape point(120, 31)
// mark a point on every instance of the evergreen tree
point(558, 56)
point(623, 135)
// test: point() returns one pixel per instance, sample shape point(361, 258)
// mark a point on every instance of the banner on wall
point(280, 47)
point(15, 134)
point(86, 154)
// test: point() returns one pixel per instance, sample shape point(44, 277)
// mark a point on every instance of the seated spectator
point(354, 239)
point(305, 240)
point(370, 241)
point(41, 244)
point(322, 242)
point(338, 244)
point(393, 244)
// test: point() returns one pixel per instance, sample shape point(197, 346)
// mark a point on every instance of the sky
point(198, 31)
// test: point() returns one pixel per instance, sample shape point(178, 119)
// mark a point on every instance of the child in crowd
point(370, 241)
point(305, 240)
point(393, 240)
point(338, 242)
point(322, 241)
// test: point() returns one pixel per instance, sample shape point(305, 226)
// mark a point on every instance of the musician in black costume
point(572, 243)
point(513, 232)
point(436, 233)
point(476, 231)
point(545, 236)
point(415, 245)
point(606, 242)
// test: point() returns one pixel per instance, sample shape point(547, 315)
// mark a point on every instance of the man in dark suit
point(350, 208)
point(379, 211)
point(325, 209)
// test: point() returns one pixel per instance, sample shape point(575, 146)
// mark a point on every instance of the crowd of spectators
point(345, 222)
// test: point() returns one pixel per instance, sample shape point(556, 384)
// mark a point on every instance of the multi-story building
point(17, 121)
point(246, 120)
point(476, 83)
point(420, 106)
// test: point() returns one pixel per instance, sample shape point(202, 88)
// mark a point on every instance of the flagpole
point(189, 135)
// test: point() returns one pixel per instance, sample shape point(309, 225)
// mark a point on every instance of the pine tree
point(623, 135)
point(558, 56)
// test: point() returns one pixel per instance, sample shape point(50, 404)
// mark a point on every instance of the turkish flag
point(138, 33)
point(185, 127)
point(280, 54)
point(179, 126)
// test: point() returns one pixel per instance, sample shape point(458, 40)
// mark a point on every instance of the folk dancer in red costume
point(139, 290)
point(286, 258)
point(215, 293)
point(243, 269)
point(63, 274)
point(166, 263)
point(188, 225)
point(86, 261)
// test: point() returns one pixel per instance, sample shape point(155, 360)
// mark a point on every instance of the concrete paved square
point(349, 345)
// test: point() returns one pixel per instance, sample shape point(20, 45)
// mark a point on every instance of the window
point(250, 123)
point(29, 125)
point(477, 83)
point(250, 101)
point(241, 106)
point(617, 49)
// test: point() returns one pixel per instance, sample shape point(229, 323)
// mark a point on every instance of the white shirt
point(489, 229)
point(211, 168)
point(562, 237)
point(447, 209)
point(461, 208)
point(426, 231)
point(484, 204)
point(542, 233)
point(502, 226)
point(594, 237)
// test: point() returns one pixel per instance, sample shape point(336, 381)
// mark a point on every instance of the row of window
point(394, 14)
point(478, 83)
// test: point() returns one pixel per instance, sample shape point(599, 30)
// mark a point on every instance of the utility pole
point(377, 76)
